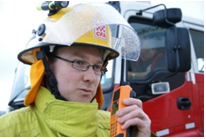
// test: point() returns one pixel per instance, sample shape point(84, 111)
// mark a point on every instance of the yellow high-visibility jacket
point(50, 117)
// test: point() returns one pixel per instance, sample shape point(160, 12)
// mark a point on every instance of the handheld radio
point(119, 94)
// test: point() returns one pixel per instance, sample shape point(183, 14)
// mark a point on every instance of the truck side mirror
point(177, 43)
point(167, 17)
point(178, 51)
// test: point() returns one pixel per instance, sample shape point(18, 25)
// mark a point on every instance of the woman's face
point(76, 85)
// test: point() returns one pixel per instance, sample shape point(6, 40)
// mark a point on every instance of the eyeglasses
point(84, 66)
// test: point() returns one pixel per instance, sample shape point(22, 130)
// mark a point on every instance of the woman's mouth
point(86, 91)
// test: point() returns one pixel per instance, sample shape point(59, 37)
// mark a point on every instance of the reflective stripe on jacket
point(51, 117)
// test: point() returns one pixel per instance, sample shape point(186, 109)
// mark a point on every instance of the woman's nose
point(90, 74)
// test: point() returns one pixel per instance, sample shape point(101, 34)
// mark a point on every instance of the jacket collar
point(65, 117)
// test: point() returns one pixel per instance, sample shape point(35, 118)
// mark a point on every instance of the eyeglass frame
point(103, 69)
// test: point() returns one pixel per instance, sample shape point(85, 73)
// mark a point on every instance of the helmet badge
point(100, 32)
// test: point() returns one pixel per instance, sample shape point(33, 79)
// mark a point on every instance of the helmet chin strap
point(96, 91)
point(50, 79)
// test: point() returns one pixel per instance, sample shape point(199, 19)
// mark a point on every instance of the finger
point(132, 101)
point(136, 113)
point(131, 104)
point(142, 128)
point(127, 110)
point(134, 122)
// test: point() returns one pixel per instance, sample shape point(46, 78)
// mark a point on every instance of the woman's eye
point(97, 67)
point(79, 62)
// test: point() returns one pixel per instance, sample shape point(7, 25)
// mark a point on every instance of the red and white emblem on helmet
point(100, 32)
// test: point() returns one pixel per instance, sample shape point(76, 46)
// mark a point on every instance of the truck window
point(198, 43)
point(151, 66)
point(21, 86)
point(152, 56)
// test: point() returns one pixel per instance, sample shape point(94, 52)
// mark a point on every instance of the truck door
point(197, 72)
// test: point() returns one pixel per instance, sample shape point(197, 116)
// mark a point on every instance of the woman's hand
point(133, 115)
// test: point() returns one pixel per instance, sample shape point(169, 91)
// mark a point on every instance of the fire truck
point(170, 84)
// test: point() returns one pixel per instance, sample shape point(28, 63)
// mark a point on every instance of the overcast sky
point(17, 22)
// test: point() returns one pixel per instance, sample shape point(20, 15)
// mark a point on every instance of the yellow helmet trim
point(36, 76)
